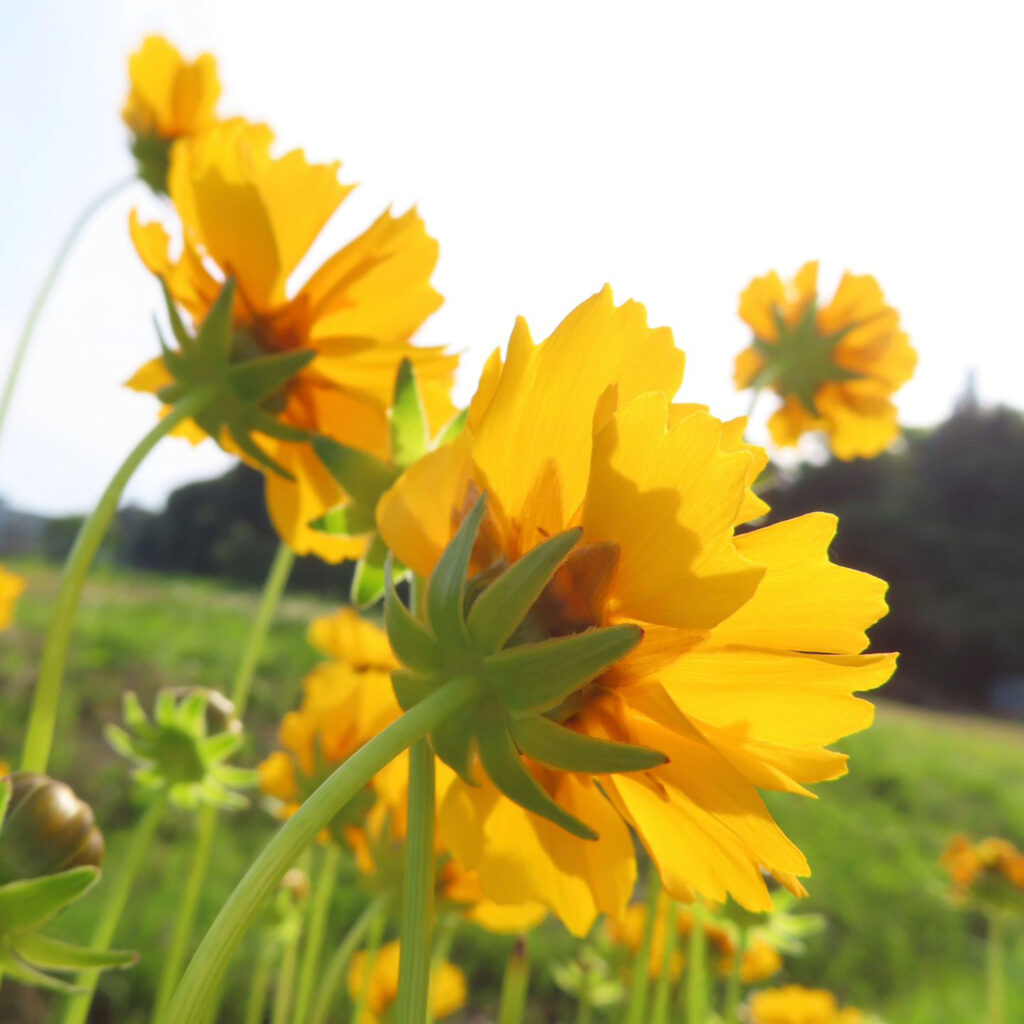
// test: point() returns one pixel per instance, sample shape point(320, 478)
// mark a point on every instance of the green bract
point(248, 386)
point(29, 902)
point(527, 689)
point(176, 754)
point(365, 478)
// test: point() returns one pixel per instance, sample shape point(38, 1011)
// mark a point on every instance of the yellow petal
point(11, 588)
point(347, 636)
point(758, 302)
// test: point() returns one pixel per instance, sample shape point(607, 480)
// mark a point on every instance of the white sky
point(674, 150)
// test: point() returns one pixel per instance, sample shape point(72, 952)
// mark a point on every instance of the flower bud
point(47, 829)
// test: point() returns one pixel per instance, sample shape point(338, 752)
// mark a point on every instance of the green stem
point(259, 986)
point(443, 941)
point(995, 963)
point(641, 966)
point(663, 990)
point(170, 971)
point(58, 638)
point(323, 890)
point(285, 983)
point(755, 395)
point(418, 889)
point(585, 1012)
point(515, 984)
point(334, 973)
point(238, 914)
point(174, 958)
point(373, 943)
point(44, 291)
point(121, 881)
point(277, 579)
point(734, 983)
point(696, 966)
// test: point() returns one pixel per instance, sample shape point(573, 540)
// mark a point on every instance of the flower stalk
point(515, 985)
point(995, 969)
point(696, 968)
point(734, 983)
point(641, 966)
point(323, 890)
point(663, 990)
point(43, 719)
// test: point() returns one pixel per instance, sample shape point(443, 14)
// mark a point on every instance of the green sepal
point(14, 967)
point(5, 797)
point(30, 902)
point(446, 590)
point(363, 476)
point(454, 743)
point(224, 744)
point(411, 641)
point(506, 770)
point(558, 747)
point(410, 434)
point(256, 379)
point(134, 716)
point(504, 604)
point(412, 687)
point(350, 520)
point(55, 955)
point(454, 429)
point(368, 581)
point(213, 339)
point(537, 677)
point(181, 335)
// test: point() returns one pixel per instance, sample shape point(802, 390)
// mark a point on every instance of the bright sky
point(674, 150)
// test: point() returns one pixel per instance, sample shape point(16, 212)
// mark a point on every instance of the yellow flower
point(447, 985)
point(794, 1004)
point(253, 216)
point(749, 656)
point(11, 588)
point(983, 870)
point(761, 960)
point(835, 366)
point(628, 931)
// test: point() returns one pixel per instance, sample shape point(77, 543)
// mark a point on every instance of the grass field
point(893, 944)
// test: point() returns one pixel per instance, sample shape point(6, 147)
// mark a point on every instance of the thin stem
point(43, 719)
point(418, 889)
point(259, 986)
point(515, 984)
point(995, 972)
point(663, 989)
point(277, 579)
point(373, 943)
point(170, 971)
point(696, 966)
point(252, 892)
point(734, 983)
point(285, 983)
point(584, 1012)
point(642, 964)
point(335, 970)
point(323, 890)
point(121, 881)
point(754, 396)
point(44, 291)
point(443, 941)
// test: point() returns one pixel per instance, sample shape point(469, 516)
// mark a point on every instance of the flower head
point(11, 588)
point(170, 98)
point(794, 1004)
point(989, 873)
point(251, 216)
point(729, 659)
point(447, 984)
point(834, 366)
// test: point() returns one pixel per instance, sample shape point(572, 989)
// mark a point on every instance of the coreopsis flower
point(834, 366)
point(759, 961)
point(641, 663)
point(628, 931)
point(251, 217)
point(169, 98)
point(988, 874)
point(794, 1004)
point(447, 984)
point(11, 588)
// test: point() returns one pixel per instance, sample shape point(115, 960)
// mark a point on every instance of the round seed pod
point(47, 829)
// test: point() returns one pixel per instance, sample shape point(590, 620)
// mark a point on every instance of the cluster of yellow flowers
point(981, 869)
point(794, 1004)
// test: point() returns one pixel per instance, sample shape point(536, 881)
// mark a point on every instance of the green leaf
point(453, 743)
point(503, 605)
point(456, 425)
point(411, 641)
point(446, 590)
point(223, 745)
point(537, 677)
point(410, 435)
point(503, 764)
point(368, 579)
point(255, 379)
point(571, 751)
point(364, 477)
point(54, 955)
point(30, 902)
point(214, 336)
point(16, 968)
point(346, 521)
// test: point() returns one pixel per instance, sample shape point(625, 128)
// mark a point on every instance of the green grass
point(873, 839)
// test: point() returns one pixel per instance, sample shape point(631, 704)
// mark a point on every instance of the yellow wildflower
point(253, 216)
point(983, 870)
point(447, 985)
point(629, 929)
point(749, 656)
point(11, 588)
point(834, 366)
point(794, 1004)
point(761, 960)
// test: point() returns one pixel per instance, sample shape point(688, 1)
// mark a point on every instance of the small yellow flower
point(629, 929)
point(761, 960)
point(11, 588)
point(794, 1004)
point(988, 872)
point(750, 650)
point(447, 985)
point(835, 367)
point(252, 216)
